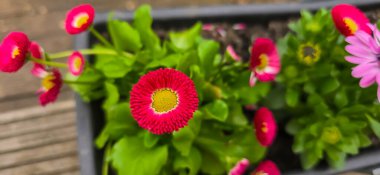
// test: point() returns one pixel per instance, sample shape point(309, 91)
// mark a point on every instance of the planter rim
point(84, 113)
point(253, 10)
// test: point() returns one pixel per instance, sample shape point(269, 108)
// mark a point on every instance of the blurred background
point(42, 141)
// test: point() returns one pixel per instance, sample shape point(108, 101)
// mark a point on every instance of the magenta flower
point(365, 52)
point(348, 19)
point(231, 51)
point(240, 167)
point(79, 19)
point(163, 101)
point(76, 63)
point(265, 61)
point(266, 168)
point(265, 126)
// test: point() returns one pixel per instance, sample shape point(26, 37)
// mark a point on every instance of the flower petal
point(363, 69)
point(359, 52)
point(367, 80)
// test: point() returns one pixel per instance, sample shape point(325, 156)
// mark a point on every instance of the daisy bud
point(79, 19)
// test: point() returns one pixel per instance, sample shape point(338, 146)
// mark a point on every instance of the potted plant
point(176, 103)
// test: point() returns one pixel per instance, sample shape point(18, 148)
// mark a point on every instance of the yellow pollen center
point(309, 53)
point(80, 20)
point(264, 127)
point(47, 82)
point(77, 63)
point(164, 100)
point(261, 173)
point(331, 135)
point(351, 24)
point(15, 52)
point(263, 61)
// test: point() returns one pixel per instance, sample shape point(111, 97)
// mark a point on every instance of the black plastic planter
point(89, 116)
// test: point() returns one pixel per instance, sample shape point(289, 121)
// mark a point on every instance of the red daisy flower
point(265, 61)
point(163, 101)
point(13, 51)
point(265, 126)
point(37, 52)
point(240, 167)
point(348, 19)
point(79, 19)
point(76, 63)
point(51, 85)
point(267, 168)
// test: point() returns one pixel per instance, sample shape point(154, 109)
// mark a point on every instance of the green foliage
point(327, 107)
point(222, 90)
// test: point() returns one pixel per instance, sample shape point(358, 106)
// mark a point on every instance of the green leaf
point(211, 164)
point(207, 51)
point(329, 85)
point(292, 97)
point(335, 158)
point(101, 60)
point(115, 68)
point(186, 39)
point(102, 139)
point(217, 110)
point(375, 125)
point(183, 139)
point(192, 162)
point(112, 95)
point(309, 159)
point(143, 23)
point(130, 156)
point(341, 99)
point(150, 140)
point(236, 115)
point(120, 121)
point(88, 91)
point(124, 36)
point(169, 61)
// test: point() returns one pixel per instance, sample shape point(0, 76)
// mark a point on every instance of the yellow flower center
point(261, 173)
point(264, 127)
point(80, 20)
point(47, 82)
point(263, 61)
point(164, 100)
point(77, 63)
point(331, 135)
point(15, 52)
point(309, 53)
point(351, 24)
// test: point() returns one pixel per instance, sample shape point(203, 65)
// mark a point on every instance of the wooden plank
point(39, 154)
point(55, 166)
point(37, 139)
point(35, 112)
point(75, 172)
point(27, 100)
point(44, 123)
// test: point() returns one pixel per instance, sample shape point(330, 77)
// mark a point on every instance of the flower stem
point(100, 37)
point(48, 63)
point(105, 168)
point(77, 82)
point(83, 51)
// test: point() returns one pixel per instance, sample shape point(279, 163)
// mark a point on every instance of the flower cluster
point(182, 99)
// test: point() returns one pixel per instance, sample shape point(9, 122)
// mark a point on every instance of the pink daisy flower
point(365, 52)
point(163, 101)
point(348, 19)
point(232, 53)
point(265, 126)
point(76, 63)
point(267, 168)
point(51, 85)
point(239, 26)
point(265, 61)
point(208, 27)
point(79, 19)
point(240, 167)
point(37, 52)
point(13, 51)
